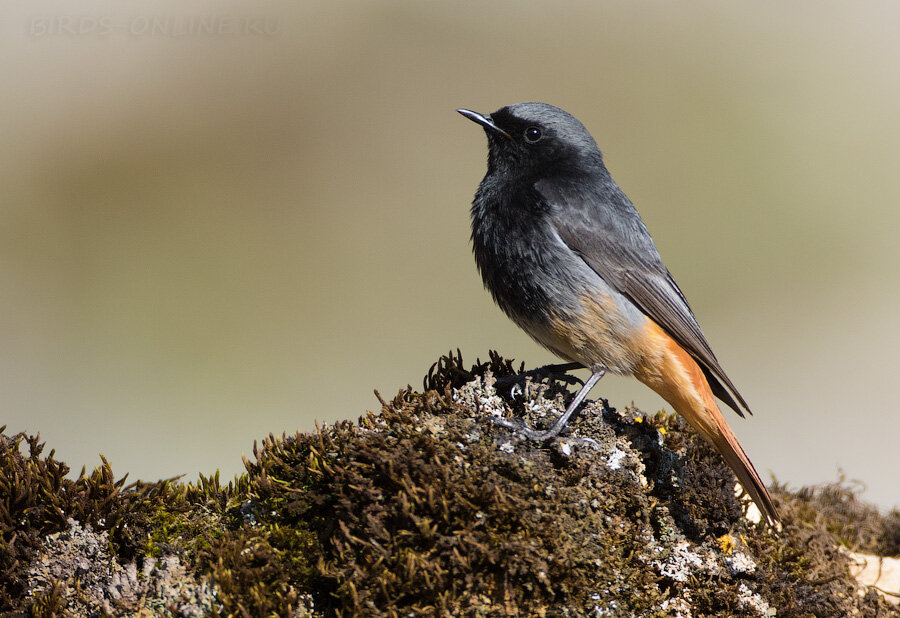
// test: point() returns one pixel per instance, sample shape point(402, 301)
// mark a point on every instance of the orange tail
point(676, 377)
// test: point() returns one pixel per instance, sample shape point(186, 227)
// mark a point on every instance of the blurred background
point(220, 220)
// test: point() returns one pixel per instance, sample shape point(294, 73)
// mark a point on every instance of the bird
point(567, 257)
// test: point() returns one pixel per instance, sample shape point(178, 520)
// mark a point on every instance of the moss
point(857, 525)
point(805, 571)
point(50, 602)
point(37, 498)
point(427, 508)
point(428, 520)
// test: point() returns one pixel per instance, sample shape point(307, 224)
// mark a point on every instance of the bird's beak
point(484, 121)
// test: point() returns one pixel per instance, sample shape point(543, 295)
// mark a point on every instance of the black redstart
point(566, 256)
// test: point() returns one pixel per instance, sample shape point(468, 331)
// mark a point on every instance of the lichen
point(104, 586)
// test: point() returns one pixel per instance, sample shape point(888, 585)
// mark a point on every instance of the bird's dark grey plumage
point(612, 240)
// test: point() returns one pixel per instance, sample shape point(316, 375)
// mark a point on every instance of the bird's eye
point(533, 134)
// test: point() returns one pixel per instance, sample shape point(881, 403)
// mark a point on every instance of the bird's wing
point(615, 243)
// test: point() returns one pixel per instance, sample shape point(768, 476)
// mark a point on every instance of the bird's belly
point(597, 329)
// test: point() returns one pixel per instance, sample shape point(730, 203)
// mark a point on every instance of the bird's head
point(534, 139)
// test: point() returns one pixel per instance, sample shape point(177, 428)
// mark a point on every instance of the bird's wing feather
point(615, 243)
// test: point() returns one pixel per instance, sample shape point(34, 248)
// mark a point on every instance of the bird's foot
point(520, 427)
point(563, 421)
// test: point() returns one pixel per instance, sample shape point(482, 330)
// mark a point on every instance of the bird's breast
point(552, 294)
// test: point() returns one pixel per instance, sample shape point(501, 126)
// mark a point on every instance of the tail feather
point(728, 446)
point(670, 371)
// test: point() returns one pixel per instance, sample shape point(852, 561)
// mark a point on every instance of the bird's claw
point(521, 427)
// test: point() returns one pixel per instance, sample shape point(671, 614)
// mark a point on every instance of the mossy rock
point(429, 508)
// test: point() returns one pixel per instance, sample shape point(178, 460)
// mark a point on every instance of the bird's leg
point(562, 421)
